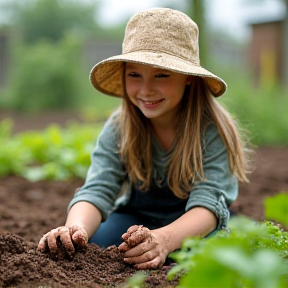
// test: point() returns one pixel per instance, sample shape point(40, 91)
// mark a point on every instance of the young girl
point(176, 148)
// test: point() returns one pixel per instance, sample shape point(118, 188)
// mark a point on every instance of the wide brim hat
point(160, 37)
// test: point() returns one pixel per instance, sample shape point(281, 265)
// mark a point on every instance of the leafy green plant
point(12, 158)
point(55, 153)
point(276, 208)
point(137, 280)
point(246, 257)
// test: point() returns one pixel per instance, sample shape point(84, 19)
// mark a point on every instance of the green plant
point(12, 158)
point(276, 208)
point(245, 257)
point(137, 280)
point(54, 153)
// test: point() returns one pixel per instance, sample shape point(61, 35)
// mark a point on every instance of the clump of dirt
point(23, 266)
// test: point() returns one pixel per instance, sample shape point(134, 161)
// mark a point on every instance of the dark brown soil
point(23, 266)
point(270, 176)
point(28, 210)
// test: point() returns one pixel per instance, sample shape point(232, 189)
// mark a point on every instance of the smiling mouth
point(152, 103)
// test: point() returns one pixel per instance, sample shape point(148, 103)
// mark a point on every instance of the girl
point(177, 150)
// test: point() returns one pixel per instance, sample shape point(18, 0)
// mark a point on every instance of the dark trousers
point(110, 232)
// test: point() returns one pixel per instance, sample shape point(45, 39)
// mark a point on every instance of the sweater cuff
point(218, 207)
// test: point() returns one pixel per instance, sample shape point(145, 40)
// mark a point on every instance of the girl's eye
point(133, 74)
point(162, 75)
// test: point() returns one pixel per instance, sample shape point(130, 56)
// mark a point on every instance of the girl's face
point(155, 91)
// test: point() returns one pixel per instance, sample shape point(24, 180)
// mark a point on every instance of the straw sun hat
point(159, 37)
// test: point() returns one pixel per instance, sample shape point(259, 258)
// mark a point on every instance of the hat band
point(159, 55)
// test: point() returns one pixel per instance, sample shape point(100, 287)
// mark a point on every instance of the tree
point(196, 10)
point(285, 43)
point(51, 19)
point(46, 65)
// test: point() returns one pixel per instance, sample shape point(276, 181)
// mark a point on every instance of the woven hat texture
point(160, 37)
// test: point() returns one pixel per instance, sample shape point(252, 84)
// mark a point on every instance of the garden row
point(54, 153)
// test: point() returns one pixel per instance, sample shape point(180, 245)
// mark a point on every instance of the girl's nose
point(147, 88)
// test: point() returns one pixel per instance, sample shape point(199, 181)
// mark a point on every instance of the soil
point(30, 209)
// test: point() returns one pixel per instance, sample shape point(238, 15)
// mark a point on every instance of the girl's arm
point(102, 185)
point(81, 214)
point(152, 252)
point(198, 221)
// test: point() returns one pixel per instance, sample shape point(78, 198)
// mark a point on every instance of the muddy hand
point(67, 235)
point(144, 248)
point(134, 236)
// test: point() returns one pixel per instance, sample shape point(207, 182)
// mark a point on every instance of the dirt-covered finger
point(133, 256)
point(123, 247)
point(66, 240)
point(52, 241)
point(137, 237)
point(153, 264)
point(129, 232)
point(43, 245)
point(138, 251)
point(79, 236)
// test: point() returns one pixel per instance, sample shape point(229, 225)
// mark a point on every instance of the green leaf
point(137, 280)
point(276, 208)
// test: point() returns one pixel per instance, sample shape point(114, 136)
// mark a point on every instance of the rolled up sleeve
point(220, 187)
point(105, 175)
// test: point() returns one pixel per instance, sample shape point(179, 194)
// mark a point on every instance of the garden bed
point(30, 209)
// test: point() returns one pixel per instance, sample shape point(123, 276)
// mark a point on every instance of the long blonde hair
point(198, 109)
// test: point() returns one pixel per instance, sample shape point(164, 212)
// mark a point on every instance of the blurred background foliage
point(51, 20)
point(47, 69)
point(46, 76)
point(53, 44)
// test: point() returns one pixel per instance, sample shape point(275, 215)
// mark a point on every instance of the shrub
point(45, 75)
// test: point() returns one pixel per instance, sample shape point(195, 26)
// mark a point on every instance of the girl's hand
point(145, 248)
point(67, 235)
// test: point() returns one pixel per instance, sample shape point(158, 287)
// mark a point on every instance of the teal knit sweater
point(107, 174)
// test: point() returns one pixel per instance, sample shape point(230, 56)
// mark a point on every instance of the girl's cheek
point(131, 90)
